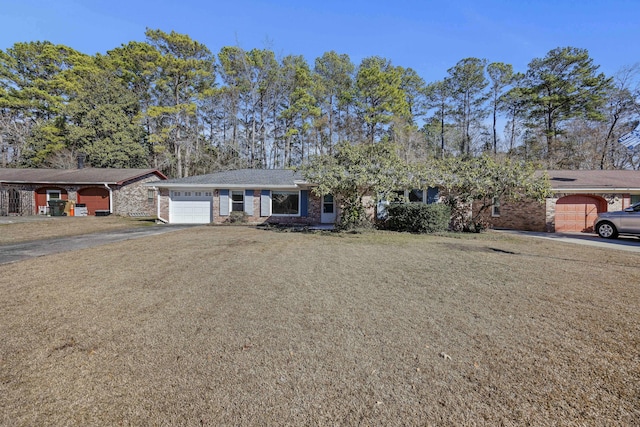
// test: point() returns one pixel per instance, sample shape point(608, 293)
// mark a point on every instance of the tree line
point(171, 104)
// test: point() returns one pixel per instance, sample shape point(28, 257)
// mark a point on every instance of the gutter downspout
point(110, 197)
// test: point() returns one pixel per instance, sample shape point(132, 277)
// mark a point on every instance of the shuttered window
point(237, 201)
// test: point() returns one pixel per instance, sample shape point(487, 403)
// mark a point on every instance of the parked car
point(610, 224)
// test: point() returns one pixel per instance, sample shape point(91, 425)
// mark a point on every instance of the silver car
point(610, 224)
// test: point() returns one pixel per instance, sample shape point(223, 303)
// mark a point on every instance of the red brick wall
point(528, 215)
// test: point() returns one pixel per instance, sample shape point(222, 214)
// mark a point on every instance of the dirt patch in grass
point(50, 227)
point(238, 326)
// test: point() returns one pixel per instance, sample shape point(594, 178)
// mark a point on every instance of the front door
point(328, 215)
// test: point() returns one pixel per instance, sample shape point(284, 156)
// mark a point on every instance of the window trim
point(233, 202)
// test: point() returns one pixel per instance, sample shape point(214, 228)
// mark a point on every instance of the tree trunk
point(495, 133)
point(606, 141)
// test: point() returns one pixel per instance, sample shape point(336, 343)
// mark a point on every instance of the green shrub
point(418, 217)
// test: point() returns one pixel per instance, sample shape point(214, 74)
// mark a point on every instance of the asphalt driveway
point(20, 251)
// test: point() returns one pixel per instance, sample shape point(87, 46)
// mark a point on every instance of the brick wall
point(132, 197)
point(529, 215)
point(17, 200)
point(163, 200)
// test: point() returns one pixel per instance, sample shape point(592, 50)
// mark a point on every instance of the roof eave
point(161, 184)
point(61, 182)
point(148, 172)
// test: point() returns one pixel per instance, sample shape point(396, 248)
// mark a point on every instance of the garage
point(95, 199)
point(577, 213)
point(191, 207)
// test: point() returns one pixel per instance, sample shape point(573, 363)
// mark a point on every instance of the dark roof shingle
point(594, 179)
point(74, 176)
point(258, 178)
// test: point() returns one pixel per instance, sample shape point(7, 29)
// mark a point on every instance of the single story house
point(102, 190)
point(578, 196)
point(262, 195)
point(275, 196)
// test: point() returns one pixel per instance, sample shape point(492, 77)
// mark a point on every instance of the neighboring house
point(578, 197)
point(117, 191)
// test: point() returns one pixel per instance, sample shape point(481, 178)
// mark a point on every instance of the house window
point(409, 196)
point(237, 201)
point(416, 196)
point(327, 204)
point(495, 207)
point(53, 195)
point(150, 196)
point(285, 203)
point(635, 198)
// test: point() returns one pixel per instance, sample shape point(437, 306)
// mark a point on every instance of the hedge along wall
point(418, 217)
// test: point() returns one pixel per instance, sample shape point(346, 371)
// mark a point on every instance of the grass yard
point(236, 326)
point(36, 228)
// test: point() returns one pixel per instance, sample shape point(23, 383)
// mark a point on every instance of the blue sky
point(428, 36)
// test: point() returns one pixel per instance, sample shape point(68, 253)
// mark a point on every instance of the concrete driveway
point(623, 243)
point(25, 250)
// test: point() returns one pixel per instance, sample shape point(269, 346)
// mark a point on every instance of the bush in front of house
point(418, 217)
point(237, 217)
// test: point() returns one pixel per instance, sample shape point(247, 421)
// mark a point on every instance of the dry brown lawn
point(242, 327)
point(35, 228)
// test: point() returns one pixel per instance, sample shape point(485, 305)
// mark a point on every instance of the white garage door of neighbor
point(191, 207)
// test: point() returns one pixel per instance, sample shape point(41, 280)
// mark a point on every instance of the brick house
point(103, 190)
point(578, 197)
point(274, 196)
point(259, 195)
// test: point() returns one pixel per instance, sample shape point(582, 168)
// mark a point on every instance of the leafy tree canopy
point(354, 172)
point(480, 179)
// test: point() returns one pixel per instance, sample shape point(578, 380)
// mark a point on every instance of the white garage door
point(191, 207)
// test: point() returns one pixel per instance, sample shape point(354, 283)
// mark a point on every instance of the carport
point(95, 199)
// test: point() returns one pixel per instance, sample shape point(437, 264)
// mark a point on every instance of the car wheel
point(607, 230)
